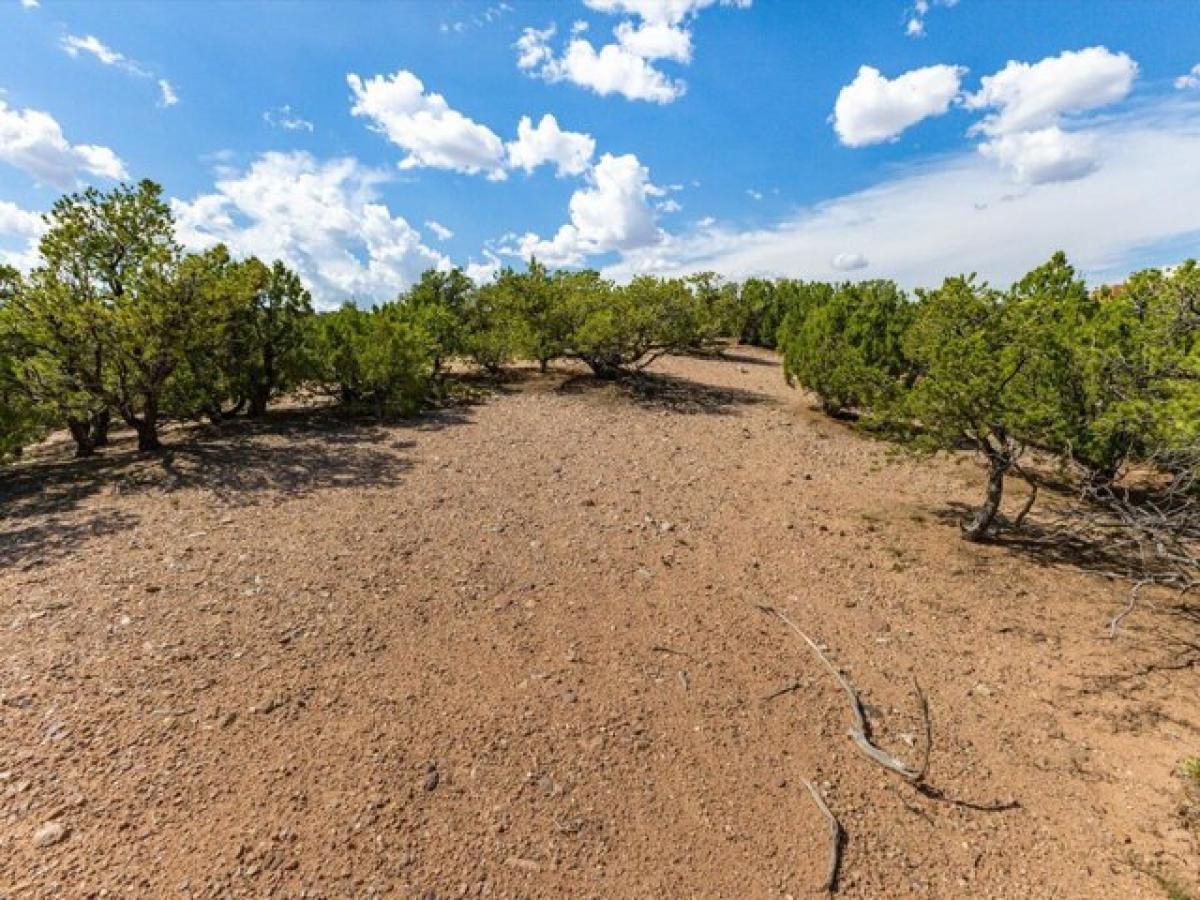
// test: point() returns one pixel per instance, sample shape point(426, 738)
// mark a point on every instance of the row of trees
point(1101, 380)
point(117, 321)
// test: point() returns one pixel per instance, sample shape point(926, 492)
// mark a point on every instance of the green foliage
point(763, 305)
point(535, 303)
point(19, 420)
point(615, 328)
point(1143, 368)
point(334, 349)
point(492, 327)
point(113, 310)
point(717, 312)
point(437, 303)
point(845, 343)
point(970, 361)
point(394, 361)
point(270, 331)
point(381, 356)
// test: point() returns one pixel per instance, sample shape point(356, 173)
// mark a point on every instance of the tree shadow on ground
point(1046, 545)
point(33, 543)
point(287, 454)
point(744, 359)
point(667, 392)
point(1167, 641)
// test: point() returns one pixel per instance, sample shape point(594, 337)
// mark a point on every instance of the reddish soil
point(515, 649)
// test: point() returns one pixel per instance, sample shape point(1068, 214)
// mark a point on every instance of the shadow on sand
point(45, 509)
point(667, 392)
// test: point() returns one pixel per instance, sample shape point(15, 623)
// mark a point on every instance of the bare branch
point(835, 839)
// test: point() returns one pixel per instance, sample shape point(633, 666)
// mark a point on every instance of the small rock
point(431, 780)
point(50, 834)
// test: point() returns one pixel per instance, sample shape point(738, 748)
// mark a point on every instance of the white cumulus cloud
point(960, 214)
point(1027, 96)
point(569, 151)
point(1028, 101)
point(33, 141)
point(873, 109)
point(653, 30)
point(1190, 81)
point(613, 69)
point(425, 126)
point(614, 212)
point(1045, 155)
point(323, 218)
point(440, 231)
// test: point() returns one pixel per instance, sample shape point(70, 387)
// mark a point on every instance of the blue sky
point(365, 141)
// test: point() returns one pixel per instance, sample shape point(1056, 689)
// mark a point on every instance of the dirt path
point(515, 650)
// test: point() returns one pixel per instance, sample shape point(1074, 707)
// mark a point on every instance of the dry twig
point(786, 689)
point(860, 732)
point(835, 839)
point(1115, 624)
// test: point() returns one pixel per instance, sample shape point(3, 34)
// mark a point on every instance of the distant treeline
point(118, 321)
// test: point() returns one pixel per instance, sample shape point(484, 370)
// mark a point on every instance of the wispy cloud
point(166, 93)
point(960, 213)
point(76, 45)
point(489, 15)
point(286, 118)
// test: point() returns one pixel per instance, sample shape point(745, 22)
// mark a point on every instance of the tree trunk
point(147, 427)
point(99, 427)
point(81, 432)
point(258, 400)
point(605, 367)
point(977, 529)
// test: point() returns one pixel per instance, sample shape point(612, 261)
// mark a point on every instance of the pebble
point(50, 834)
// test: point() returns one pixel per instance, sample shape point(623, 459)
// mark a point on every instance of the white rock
point(49, 834)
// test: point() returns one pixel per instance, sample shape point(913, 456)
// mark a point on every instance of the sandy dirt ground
point(516, 649)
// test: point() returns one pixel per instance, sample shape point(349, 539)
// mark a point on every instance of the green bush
point(618, 328)
point(844, 343)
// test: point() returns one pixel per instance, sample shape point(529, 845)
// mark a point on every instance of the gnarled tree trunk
point(981, 523)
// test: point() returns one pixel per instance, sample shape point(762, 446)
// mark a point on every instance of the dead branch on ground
point(860, 732)
point(835, 839)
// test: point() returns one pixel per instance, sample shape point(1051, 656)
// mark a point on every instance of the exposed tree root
point(835, 839)
point(860, 732)
point(1115, 624)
